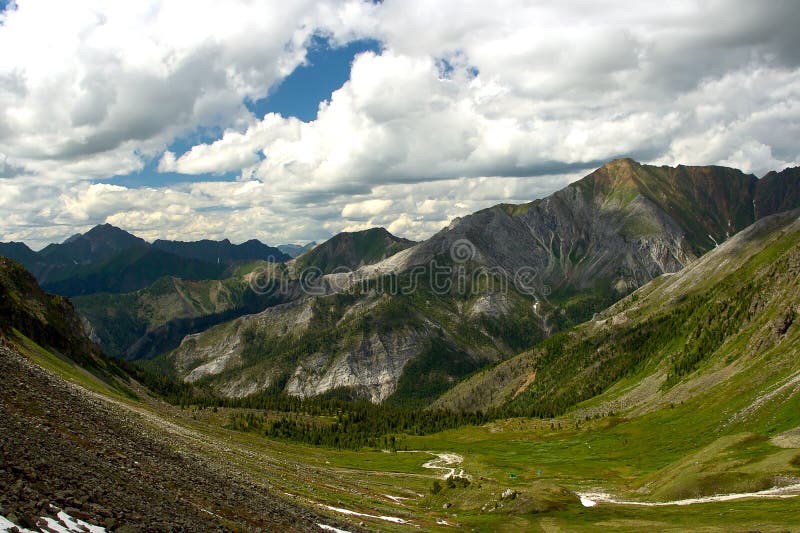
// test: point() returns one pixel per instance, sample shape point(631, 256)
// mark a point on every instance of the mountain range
point(109, 259)
point(517, 275)
point(622, 354)
point(335, 319)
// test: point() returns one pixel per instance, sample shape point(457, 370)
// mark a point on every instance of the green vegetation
point(350, 250)
point(431, 373)
point(337, 423)
point(723, 315)
point(172, 304)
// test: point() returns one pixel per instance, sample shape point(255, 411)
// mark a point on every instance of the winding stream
point(591, 499)
point(448, 461)
point(442, 461)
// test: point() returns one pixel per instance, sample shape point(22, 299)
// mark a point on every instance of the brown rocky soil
point(100, 462)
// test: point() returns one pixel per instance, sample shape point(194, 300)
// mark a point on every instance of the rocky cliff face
point(562, 259)
point(620, 226)
point(200, 357)
point(371, 368)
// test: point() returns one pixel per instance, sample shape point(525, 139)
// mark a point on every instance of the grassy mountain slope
point(351, 250)
point(154, 319)
point(47, 320)
point(724, 315)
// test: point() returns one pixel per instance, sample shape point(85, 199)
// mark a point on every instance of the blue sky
point(327, 68)
point(125, 113)
point(298, 95)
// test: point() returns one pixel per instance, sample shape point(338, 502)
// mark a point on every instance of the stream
point(591, 499)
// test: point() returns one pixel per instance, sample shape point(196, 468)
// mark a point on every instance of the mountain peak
point(99, 243)
point(108, 231)
point(618, 173)
point(624, 162)
point(351, 249)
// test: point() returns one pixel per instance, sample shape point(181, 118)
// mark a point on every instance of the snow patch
point(394, 519)
point(63, 523)
point(586, 502)
point(326, 527)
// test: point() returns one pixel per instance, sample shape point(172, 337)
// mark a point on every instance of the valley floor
point(113, 461)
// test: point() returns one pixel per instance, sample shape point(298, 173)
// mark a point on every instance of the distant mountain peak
point(223, 251)
point(294, 250)
point(109, 232)
point(351, 249)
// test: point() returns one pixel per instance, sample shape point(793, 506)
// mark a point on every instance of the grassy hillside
point(143, 322)
point(724, 315)
point(26, 311)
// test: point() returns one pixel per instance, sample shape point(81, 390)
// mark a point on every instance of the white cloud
point(366, 208)
point(91, 81)
point(468, 104)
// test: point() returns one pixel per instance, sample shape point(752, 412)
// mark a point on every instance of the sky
point(292, 121)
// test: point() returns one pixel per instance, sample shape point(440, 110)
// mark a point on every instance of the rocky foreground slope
point(94, 455)
point(107, 466)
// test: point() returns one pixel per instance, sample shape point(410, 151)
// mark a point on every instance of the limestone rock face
point(372, 368)
point(218, 349)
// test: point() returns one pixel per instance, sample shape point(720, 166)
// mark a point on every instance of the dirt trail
point(591, 499)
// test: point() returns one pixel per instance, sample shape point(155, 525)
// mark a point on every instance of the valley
point(337, 317)
point(545, 468)
point(676, 407)
point(350, 266)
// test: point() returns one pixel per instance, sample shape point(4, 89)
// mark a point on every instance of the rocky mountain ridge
point(109, 259)
point(718, 320)
point(582, 248)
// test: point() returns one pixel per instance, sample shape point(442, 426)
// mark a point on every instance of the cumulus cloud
point(467, 104)
point(94, 82)
point(523, 90)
